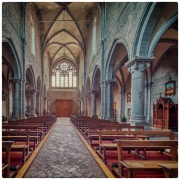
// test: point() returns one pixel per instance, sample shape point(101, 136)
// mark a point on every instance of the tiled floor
point(64, 155)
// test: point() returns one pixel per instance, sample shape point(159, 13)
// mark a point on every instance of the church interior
point(89, 89)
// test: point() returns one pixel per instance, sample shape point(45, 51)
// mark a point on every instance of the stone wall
point(34, 60)
point(11, 24)
point(166, 68)
point(60, 94)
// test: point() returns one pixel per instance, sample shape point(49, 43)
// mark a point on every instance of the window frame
point(73, 66)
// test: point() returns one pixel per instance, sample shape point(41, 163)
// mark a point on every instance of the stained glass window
point(64, 74)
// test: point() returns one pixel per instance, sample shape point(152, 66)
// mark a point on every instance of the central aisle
point(64, 155)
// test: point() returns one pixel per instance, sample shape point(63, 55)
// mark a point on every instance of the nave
point(64, 155)
point(84, 147)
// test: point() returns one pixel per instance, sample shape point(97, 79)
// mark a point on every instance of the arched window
point(94, 38)
point(64, 75)
point(32, 37)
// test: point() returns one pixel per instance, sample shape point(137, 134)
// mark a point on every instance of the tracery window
point(32, 37)
point(64, 75)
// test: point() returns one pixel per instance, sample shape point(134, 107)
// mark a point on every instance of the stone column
point(23, 101)
point(16, 109)
point(137, 69)
point(38, 111)
point(149, 106)
point(45, 105)
point(103, 100)
point(109, 107)
point(85, 105)
point(33, 103)
point(93, 103)
point(122, 104)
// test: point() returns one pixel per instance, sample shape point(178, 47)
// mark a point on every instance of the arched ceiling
point(65, 28)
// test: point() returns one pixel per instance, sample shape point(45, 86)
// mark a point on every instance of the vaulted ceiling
point(65, 28)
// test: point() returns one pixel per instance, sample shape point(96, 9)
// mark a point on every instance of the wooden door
point(64, 107)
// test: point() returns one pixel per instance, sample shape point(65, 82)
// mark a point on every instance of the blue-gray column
point(45, 105)
point(85, 105)
point(22, 99)
point(38, 97)
point(103, 103)
point(122, 104)
point(33, 103)
point(16, 99)
point(109, 107)
point(93, 103)
point(103, 30)
point(149, 106)
point(137, 91)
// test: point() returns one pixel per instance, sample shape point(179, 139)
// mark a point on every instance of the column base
point(101, 117)
point(140, 123)
point(94, 116)
point(32, 115)
point(111, 118)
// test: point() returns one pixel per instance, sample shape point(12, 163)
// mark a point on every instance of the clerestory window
point(64, 75)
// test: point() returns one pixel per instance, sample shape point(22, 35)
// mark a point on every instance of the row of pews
point(19, 139)
point(105, 136)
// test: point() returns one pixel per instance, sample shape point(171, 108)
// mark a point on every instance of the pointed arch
point(10, 54)
point(160, 32)
point(96, 77)
point(31, 77)
point(112, 54)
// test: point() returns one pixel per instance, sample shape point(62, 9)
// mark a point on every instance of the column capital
point(15, 80)
point(139, 59)
point(94, 92)
point(109, 82)
point(32, 91)
point(138, 66)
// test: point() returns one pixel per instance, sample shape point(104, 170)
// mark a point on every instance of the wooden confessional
point(165, 114)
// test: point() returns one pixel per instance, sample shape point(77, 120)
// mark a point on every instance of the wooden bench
point(41, 129)
point(94, 128)
point(141, 165)
point(6, 146)
point(21, 136)
point(21, 142)
point(170, 170)
point(94, 134)
point(104, 135)
point(22, 147)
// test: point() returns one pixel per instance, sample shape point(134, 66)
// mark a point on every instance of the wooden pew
point(94, 128)
point(141, 165)
point(6, 146)
point(21, 142)
point(20, 136)
point(18, 147)
point(170, 170)
point(104, 135)
point(93, 133)
point(42, 129)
